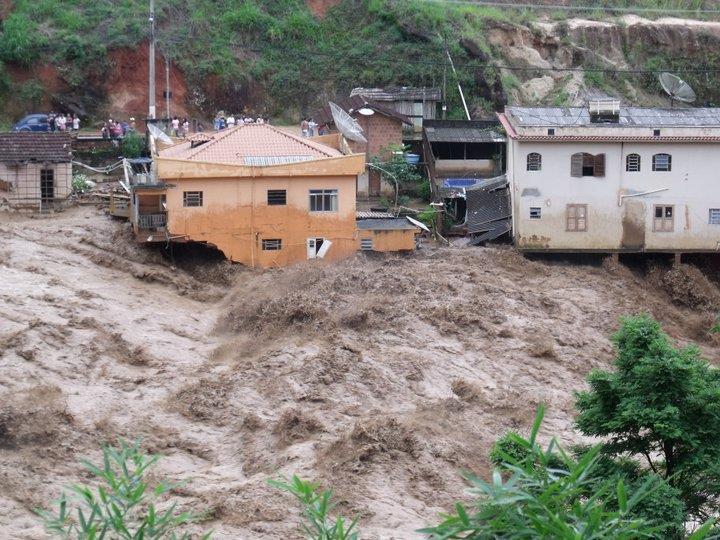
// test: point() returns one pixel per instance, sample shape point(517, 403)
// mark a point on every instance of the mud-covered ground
point(380, 377)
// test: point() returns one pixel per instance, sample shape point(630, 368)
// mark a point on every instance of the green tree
point(661, 405)
point(122, 507)
point(544, 493)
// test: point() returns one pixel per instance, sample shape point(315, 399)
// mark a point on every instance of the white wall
point(693, 187)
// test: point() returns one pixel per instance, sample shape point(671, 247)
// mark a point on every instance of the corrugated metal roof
point(629, 117)
point(352, 104)
point(394, 224)
point(477, 131)
point(399, 93)
point(372, 214)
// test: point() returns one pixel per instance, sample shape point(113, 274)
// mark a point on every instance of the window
point(662, 162)
point(323, 200)
point(366, 244)
point(632, 163)
point(276, 197)
point(551, 131)
point(272, 245)
point(714, 218)
point(656, 132)
point(584, 164)
point(534, 161)
point(664, 220)
point(192, 198)
point(535, 212)
point(576, 217)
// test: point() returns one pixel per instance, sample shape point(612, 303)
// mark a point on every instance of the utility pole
point(462, 96)
point(167, 87)
point(151, 75)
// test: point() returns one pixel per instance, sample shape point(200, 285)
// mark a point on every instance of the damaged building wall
point(21, 185)
point(235, 217)
point(554, 210)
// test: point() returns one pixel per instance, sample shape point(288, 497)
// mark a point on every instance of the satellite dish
point(676, 88)
point(158, 134)
point(366, 111)
point(346, 124)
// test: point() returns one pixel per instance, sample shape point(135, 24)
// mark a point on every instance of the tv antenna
point(346, 124)
point(676, 88)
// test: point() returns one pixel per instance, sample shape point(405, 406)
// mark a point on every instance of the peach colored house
point(262, 196)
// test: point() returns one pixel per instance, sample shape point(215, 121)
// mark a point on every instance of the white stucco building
point(609, 178)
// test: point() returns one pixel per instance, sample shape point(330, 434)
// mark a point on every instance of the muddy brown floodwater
point(381, 377)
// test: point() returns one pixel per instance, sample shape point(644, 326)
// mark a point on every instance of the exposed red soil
point(127, 84)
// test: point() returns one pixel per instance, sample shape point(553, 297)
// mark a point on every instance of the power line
point(550, 7)
point(500, 67)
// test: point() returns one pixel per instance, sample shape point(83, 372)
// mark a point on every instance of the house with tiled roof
point(611, 178)
point(35, 169)
point(263, 196)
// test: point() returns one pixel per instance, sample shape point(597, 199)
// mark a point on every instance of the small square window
point(656, 133)
point(551, 131)
point(714, 218)
point(535, 212)
point(192, 198)
point(323, 200)
point(366, 244)
point(664, 220)
point(276, 197)
point(272, 245)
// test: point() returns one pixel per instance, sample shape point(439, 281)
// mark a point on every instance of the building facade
point(262, 196)
point(608, 178)
point(35, 169)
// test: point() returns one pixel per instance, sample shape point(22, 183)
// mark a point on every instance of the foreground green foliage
point(545, 493)
point(661, 405)
point(317, 508)
point(123, 506)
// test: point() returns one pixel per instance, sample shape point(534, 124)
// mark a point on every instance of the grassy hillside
point(272, 56)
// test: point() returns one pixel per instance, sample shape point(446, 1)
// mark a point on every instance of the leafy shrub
point(122, 506)
point(80, 183)
point(19, 39)
point(316, 511)
point(133, 145)
point(541, 500)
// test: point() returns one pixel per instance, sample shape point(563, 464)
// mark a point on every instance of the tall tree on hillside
point(661, 405)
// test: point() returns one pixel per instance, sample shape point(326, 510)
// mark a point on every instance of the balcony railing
point(152, 221)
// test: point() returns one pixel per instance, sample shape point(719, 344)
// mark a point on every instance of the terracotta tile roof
point(252, 144)
point(35, 147)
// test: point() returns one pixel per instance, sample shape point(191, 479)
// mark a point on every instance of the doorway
point(313, 247)
point(47, 188)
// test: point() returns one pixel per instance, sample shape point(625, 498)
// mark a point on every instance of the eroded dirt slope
point(381, 377)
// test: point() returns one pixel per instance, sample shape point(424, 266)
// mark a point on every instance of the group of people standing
point(117, 129)
point(310, 128)
point(221, 121)
point(63, 122)
point(180, 128)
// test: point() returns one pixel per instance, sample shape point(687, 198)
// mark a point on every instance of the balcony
point(152, 221)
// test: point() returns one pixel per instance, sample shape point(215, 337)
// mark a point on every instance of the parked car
point(33, 122)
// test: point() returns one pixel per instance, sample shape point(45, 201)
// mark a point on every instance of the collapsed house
point(610, 178)
point(35, 169)
point(460, 154)
point(262, 196)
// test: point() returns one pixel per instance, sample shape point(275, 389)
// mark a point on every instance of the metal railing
point(152, 221)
